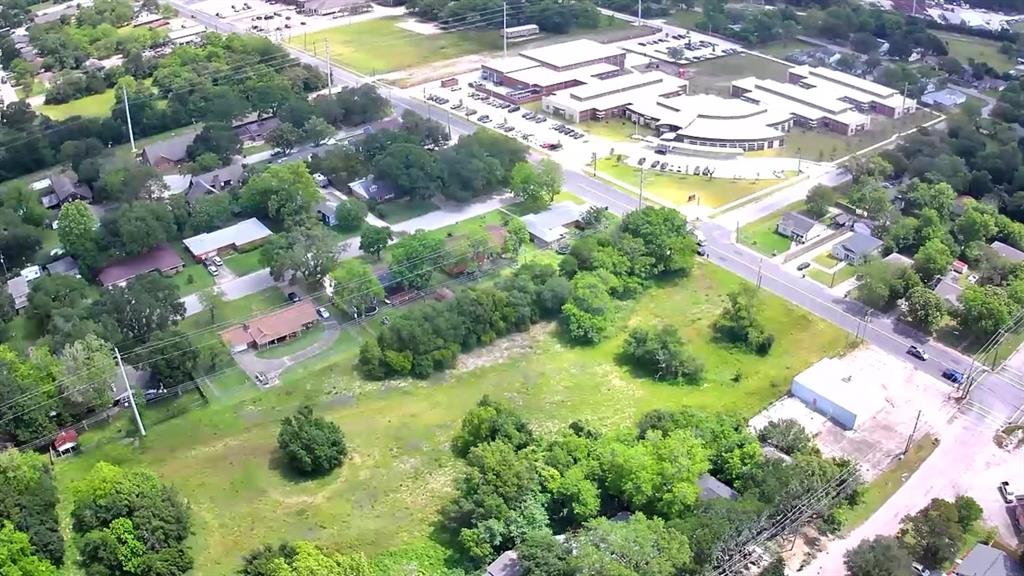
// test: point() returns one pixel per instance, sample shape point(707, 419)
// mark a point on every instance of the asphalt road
point(995, 398)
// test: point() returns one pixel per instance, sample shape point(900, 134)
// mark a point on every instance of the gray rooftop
point(215, 181)
point(505, 565)
point(66, 265)
point(239, 234)
point(17, 287)
point(987, 561)
point(550, 224)
point(898, 259)
point(798, 222)
point(711, 488)
point(862, 244)
point(1007, 251)
point(949, 291)
point(173, 149)
point(372, 189)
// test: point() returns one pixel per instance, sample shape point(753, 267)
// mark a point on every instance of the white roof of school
point(542, 76)
point(239, 234)
point(848, 86)
point(707, 116)
point(623, 90)
point(510, 64)
point(570, 53)
point(845, 79)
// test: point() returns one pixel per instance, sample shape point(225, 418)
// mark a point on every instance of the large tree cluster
point(28, 504)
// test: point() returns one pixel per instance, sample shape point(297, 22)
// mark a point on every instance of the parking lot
point(682, 46)
point(278, 20)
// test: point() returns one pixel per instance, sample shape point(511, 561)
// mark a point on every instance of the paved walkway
point(249, 362)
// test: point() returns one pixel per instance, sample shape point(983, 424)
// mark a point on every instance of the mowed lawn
point(94, 106)
point(966, 48)
point(224, 460)
point(823, 146)
point(716, 76)
point(378, 46)
point(761, 236)
point(678, 188)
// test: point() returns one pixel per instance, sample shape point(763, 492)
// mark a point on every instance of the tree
point(19, 244)
point(536, 185)
point(871, 167)
point(665, 238)
point(284, 138)
point(26, 390)
point(738, 322)
point(90, 360)
point(129, 181)
point(587, 313)
point(146, 305)
point(303, 559)
point(925, 309)
point(863, 42)
point(17, 556)
point(201, 165)
point(639, 546)
point(984, 309)
point(869, 195)
point(219, 139)
point(356, 287)
point(932, 260)
point(516, 236)
point(77, 232)
point(29, 501)
point(374, 240)
point(934, 534)
point(977, 224)
point(938, 197)
point(350, 214)
point(140, 226)
point(491, 421)
point(317, 131)
point(414, 171)
point(340, 164)
point(20, 199)
point(414, 258)
point(170, 357)
point(662, 354)
point(787, 435)
point(210, 212)
point(819, 200)
point(54, 293)
point(880, 556)
point(311, 445)
point(541, 554)
point(286, 193)
point(429, 132)
point(309, 252)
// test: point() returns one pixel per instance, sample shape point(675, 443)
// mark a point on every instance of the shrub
point(350, 214)
point(662, 354)
point(311, 444)
point(786, 434)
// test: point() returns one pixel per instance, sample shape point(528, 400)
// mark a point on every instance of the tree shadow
point(278, 463)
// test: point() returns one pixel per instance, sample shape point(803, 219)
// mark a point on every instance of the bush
point(350, 214)
point(738, 322)
point(662, 354)
point(786, 434)
point(311, 444)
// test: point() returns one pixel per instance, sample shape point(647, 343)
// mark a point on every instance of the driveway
point(240, 287)
point(272, 367)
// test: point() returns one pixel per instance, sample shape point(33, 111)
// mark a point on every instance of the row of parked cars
point(568, 131)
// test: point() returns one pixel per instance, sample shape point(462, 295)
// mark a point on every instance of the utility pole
point(906, 85)
point(131, 394)
point(759, 264)
point(640, 203)
point(330, 72)
point(128, 116)
point(639, 13)
point(504, 28)
point(910, 439)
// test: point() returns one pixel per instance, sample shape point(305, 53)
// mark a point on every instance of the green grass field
point(223, 458)
point(677, 188)
point(833, 278)
point(232, 311)
point(760, 234)
point(716, 76)
point(401, 210)
point(244, 263)
point(819, 145)
point(887, 483)
point(686, 18)
point(192, 279)
point(614, 129)
point(97, 105)
point(378, 46)
point(967, 48)
point(783, 48)
point(826, 260)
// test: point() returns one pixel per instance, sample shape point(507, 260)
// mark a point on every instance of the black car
point(293, 297)
point(803, 266)
point(641, 161)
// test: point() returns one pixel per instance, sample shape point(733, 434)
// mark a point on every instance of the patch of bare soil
point(435, 71)
point(503, 349)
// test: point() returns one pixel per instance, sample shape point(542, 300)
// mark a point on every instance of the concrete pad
point(420, 27)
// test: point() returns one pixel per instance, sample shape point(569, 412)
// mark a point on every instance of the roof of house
point(985, 560)
point(798, 222)
point(18, 289)
point(861, 244)
point(372, 188)
point(898, 259)
point(270, 327)
point(65, 186)
point(256, 128)
point(65, 438)
point(238, 234)
point(1007, 251)
point(949, 291)
point(711, 487)
point(161, 258)
point(173, 149)
point(945, 97)
point(214, 181)
point(66, 265)
point(549, 225)
point(505, 565)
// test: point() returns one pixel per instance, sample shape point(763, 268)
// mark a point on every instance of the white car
point(320, 180)
point(330, 141)
point(323, 313)
point(212, 270)
point(217, 261)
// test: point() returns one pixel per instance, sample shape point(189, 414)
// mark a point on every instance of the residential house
point(326, 212)
point(897, 259)
point(237, 237)
point(272, 328)
point(712, 488)
point(169, 153)
point(1007, 251)
point(554, 223)
point(948, 290)
point(857, 248)
point(65, 188)
point(984, 560)
point(370, 188)
point(162, 259)
point(17, 287)
point(991, 84)
point(505, 565)
point(948, 98)
point(66, 265)
point(253, 129)
point(799, 228)
point(214, 181)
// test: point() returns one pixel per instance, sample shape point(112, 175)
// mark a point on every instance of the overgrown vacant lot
point(223, 458)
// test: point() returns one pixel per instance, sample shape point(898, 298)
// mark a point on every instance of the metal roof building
point(233, 237)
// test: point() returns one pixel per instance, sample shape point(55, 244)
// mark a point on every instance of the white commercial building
point(866, 96)
point(847, 393)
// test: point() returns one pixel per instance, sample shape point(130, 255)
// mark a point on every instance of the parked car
point(803, 266)
point(1006, 492)
point(920, 570)
point(213, 270)
point(217, 260)
point(323, 313)
point(917, 352)
point(514, 109)
point(293, 297)
point(954, 376)
point(320, 180)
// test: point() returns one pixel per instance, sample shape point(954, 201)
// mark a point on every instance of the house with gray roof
point(984, 560)
point(215, 181)
point(554, 223)
point(64, 188)
point(168, 153)
point(17, 287)
point(237, 237)
point(66, 265)
point(949, 291)
point(947, 97)
point(505, 565)
point(370, 188)
point(857, 248)
point(711, 488)
point(799, 228)
point(1007, 251)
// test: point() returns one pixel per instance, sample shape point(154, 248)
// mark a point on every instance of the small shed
point(66, 441)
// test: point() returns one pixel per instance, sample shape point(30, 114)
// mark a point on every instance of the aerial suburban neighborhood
point(517, 288)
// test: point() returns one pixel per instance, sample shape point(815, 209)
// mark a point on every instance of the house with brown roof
point(65, 188)
point(168, 153)
point(162, 259)
point(270, 329)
